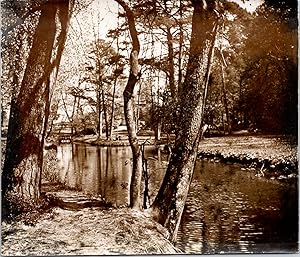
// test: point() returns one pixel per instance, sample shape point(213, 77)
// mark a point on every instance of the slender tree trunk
point(99, 114)
point(180, 50)
point(171, 71)
point(158, 131)
point(73, 113)
point(105, 115)
point(100, 124)
point(137, 117)
point(223, 63)
point(225, 100)
point(168, 205)
point(112, 110)
point(130, 111)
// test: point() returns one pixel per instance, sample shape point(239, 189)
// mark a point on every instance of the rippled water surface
point(227, 210)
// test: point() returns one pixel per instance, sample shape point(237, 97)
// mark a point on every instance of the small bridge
point(63, 138)
point(63, 132)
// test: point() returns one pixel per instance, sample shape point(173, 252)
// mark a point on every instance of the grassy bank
point(272, 153)
point(90, 231)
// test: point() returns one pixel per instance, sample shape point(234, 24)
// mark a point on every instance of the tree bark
point(112, 110)
point(158, 131)
point(171, 71)
point(21, 173)
point(24, 151)
point(105, 114)
point(225, 100)
point(169, 203)
point(180, 50)
point(130, 111)
point(99, 113)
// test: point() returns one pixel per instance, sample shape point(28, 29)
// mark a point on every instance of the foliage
point(103, 72)
point(270, 78)
point(15, 44)
point(259, 52)
point(50, 172)
point(165, 114)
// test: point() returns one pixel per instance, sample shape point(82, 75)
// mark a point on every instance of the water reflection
point(106, 171)
point(227, 210)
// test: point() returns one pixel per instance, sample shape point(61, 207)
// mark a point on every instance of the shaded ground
point(72, 200)
point(90, 231)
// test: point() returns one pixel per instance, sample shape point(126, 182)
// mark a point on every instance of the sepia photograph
point(141, 127)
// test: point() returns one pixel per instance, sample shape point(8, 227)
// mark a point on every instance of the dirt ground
point(89, 231)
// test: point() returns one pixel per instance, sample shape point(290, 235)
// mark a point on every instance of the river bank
point(273, 155)
point(89, 231)
point(69, 222)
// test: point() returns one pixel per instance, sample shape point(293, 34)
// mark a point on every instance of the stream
point(228, 210)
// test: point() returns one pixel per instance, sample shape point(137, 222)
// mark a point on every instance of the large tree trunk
point(24, 152)
point(169, 203)
point(130, 111)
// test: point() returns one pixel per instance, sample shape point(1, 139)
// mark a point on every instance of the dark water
point(227, 211)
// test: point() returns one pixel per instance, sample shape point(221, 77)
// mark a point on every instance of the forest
point(165, 73)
